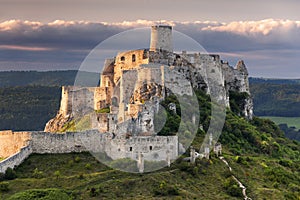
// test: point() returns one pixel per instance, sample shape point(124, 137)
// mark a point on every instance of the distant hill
point(50, 78)
point(276, 97)
point(253, 80)
point(28, 107)
point(28, 99)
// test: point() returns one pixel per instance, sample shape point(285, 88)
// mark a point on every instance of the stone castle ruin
point(117, 117)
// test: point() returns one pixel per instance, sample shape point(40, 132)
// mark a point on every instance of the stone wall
point(12, 142)
point(129, 60)
point(76, 99)
point(15, 159)
point(42, 142)
point(154, 148)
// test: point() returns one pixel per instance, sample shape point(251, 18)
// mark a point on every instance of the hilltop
point(261, 158)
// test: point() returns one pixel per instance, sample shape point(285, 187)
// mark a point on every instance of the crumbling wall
point(75, 98)
point(153, 148)
point(129, 60)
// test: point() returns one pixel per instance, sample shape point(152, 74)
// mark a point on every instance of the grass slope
point(261, 157)
point(82, 177)
point(266, 163)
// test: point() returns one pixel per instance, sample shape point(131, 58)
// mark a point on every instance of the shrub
point(166, 190)
point(4, 186)
point(2, 176)
point(70, 163)
point(77, 159)
point(48, 194)
point(88, 166)
point(37, 173)
point(232, 188)
point(81, 176)
point(103, 110)
point(286, 163)
point(57, 174)
point(10, 174)
point(93, 192)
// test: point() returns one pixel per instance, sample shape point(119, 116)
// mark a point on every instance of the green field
point(290, 121)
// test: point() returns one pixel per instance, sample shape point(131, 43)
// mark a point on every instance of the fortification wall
point(177, 79)
point(15, 159)
point(42, 142)
point(154, 148)
point(12, 142)
point(76, 99)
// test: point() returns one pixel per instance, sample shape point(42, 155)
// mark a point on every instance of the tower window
point(122, 58)
point(133, 57)
point(130, 148)
point(150, 148)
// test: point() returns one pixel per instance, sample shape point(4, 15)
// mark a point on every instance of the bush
point(10, 174)
point(103, 110)
point(77, 159)
point(93, 192)
point(57, 174)
point(48, 194)
point(37, 173)
point(286, 163)
point(4, 186)
point(88, 166)
point(2, 176)
point(166, 190)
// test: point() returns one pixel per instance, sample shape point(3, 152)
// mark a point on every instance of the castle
point(120, 111)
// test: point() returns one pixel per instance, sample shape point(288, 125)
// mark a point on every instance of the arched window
point(133, 57)
point(122, 58)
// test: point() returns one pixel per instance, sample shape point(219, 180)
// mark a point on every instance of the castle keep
point(120, 111)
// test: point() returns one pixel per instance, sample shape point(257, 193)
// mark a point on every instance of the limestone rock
point(57, 123)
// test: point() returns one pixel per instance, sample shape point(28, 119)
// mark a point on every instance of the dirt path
point(240, 184)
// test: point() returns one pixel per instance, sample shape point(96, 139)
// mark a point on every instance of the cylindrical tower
point(161, 38)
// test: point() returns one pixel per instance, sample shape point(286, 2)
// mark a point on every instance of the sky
point(58, 34)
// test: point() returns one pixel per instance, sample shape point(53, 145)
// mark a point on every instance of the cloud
point(64, 43)
point(263, 27)
point(56, 34)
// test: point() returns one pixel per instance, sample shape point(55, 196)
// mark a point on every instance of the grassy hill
point(261, 158)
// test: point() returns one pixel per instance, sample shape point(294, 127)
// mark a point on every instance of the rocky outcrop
point(57, 123)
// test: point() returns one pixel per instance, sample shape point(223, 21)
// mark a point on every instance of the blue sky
point(55, 35)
